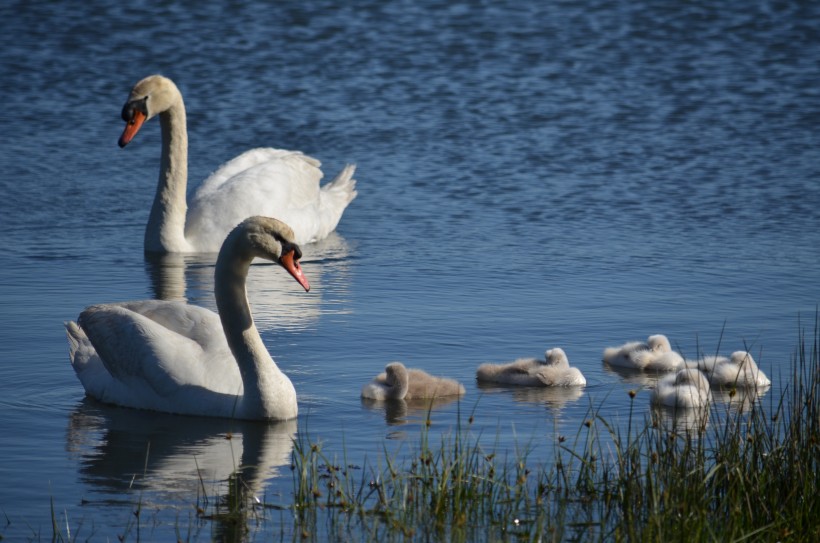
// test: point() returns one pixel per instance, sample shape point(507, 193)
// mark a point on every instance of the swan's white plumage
point(656, 354)
point(739, 370)
point(399, 383)
point(177, 358)
point(552, 370)
point(248, 185)
point(688, 388)
point(263, 181)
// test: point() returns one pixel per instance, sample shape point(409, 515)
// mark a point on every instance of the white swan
point(272, 182)
point(656, 354)
point(688, 388)
point(178, 358)
point(739, 370)
point(553, 370)
point(399, 383)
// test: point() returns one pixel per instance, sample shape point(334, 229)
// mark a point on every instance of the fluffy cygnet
point(554, 370)
point(656, 354)
point(687, 388)
point(399, 383)
point(739, 370)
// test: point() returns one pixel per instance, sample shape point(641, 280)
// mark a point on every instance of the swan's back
point(147, 354)
point(270, 182)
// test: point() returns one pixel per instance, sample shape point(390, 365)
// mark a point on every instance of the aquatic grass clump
point(727, 474)
point(749, 474)
point(444, 491)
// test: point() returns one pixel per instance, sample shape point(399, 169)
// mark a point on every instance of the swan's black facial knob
point(132, 107)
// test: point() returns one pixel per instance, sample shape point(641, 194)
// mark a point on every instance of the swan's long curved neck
point(165, 231)
point(260, 374)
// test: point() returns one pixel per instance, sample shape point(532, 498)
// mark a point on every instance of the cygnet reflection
point(552, 397)
point(680, 418)
point(399, 412)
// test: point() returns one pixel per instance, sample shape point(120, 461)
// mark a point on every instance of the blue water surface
point(531, 175)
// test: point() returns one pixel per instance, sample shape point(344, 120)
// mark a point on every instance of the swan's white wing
point(248, 160)
point(269, 182)
point(163, 346)
point(201, 325)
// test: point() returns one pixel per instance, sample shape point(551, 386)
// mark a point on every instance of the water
point(530, 176)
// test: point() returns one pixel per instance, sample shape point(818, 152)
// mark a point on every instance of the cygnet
point(399, 383)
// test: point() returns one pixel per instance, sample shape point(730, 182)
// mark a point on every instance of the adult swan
point(179, 358)
point(264, 181)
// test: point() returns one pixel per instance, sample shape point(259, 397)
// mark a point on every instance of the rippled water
point(556, 174)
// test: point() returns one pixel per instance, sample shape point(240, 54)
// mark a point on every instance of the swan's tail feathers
point(80, 350)
point(76, 338)
point(343, 186)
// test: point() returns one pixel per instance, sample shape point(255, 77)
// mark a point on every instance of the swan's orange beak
point(131, 128)
point(288, 262)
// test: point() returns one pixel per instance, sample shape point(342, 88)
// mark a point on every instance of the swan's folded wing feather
point(252, 158)
point(193, 322)
point(88, 366)
point(285, 187)
point(136, 348)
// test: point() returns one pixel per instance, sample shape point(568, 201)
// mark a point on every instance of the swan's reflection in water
point(399, 412)
point(171, 458)
point(645, 379)
point(677, 419)
point(275, 300)
point(554, 398)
